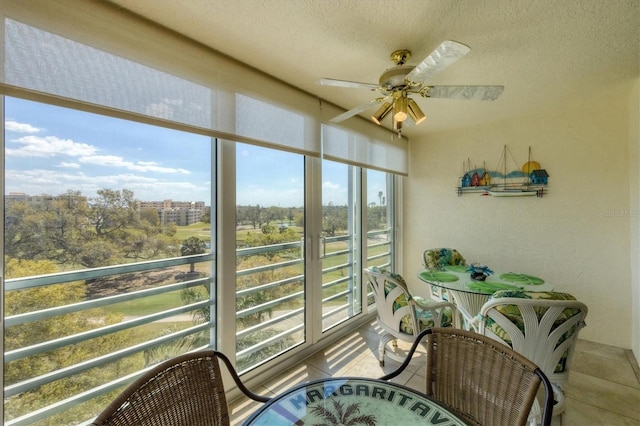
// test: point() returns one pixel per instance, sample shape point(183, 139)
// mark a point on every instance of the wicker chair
point(436, 259)
point(184, 391)
point(401, 315)
point(482, 380)
point(542, 326)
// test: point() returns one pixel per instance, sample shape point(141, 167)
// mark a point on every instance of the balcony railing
point(117, 333)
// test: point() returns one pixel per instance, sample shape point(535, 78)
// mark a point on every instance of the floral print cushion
point(512, 312)
point(440, 257)
point(390, 285)
point(424, 317)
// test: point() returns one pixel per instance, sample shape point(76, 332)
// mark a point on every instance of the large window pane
point(107, 255)
point(341, 295)
point(270, 287)
point(380, 221)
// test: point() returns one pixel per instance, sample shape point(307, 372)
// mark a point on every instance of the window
point(99, 214)
point(113, 229)
point(270, 268)
point(340, 251)
point(380, 221)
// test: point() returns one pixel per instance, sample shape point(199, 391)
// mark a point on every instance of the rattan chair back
point(482, 380)
point(184, 391)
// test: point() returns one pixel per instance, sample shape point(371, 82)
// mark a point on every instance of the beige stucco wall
point(577, 236)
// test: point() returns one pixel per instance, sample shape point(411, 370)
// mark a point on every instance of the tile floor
point(603, 388)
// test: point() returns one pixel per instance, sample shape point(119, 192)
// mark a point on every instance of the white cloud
point(140, 166)
point(66, 165)
point(14, 126)
point(330, 186)
point(49, 146)
point(54, 182)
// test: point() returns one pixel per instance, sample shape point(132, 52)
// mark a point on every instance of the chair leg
point(382, 346)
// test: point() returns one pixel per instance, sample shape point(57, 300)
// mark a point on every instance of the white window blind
point(354, 148)
point(99, 56)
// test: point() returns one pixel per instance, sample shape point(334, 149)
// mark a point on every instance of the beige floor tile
point(300, 373)
point(417, 382)
point(581, 414)
point(335, 359)
point(241, 409)
point(605, 368)
point(601, 350)
point(603, 394)
point(370, 367)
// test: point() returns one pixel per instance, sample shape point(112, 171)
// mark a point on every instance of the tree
point(23, 335)
point(71, 231)
point(335, 218)
point(192, 245)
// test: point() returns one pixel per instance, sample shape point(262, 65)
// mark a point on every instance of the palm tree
point(341, 416)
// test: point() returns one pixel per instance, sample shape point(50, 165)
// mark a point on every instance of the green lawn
point(201, 230)
point(147, 305)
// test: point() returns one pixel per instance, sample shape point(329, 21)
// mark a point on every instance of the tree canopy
point(70, 230)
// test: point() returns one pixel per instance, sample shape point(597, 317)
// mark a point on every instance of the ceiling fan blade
point(349, 84)
point(475, 93)
point(357, 110)
point(444, 55)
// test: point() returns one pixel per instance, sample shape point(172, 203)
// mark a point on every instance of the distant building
point(182, 213)
point(39, 200)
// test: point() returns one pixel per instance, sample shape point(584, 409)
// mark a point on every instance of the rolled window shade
point(361, 150)
point(96, 54)
point(43, 62)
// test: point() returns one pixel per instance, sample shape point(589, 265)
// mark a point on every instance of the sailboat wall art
point(506, 180)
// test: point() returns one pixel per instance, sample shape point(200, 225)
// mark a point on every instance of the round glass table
point(469, 295)
point(352, 400)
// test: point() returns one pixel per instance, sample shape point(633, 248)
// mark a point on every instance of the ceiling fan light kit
point(400, 108)
point(398, 82)
point(415, 112)
point(382, 112)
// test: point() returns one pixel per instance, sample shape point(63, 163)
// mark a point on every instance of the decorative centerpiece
point(479, 272)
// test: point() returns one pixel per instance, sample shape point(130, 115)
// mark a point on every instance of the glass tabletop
point(352, 400)
point(458, 278)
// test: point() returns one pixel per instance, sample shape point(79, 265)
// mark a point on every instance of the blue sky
point(50, 150)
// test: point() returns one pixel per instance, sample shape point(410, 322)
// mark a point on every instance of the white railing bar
point(97, 303)
point(90, 334)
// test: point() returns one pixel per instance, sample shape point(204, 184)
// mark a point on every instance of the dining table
point(352, 400)
point(470, 294)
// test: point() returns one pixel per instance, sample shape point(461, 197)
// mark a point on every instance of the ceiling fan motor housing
point(394, 78)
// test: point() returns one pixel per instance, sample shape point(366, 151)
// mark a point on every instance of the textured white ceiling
point(547, 53)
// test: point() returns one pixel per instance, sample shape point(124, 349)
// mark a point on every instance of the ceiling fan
point(399, 82)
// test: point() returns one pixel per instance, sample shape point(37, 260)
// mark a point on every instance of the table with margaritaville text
point(352, 400)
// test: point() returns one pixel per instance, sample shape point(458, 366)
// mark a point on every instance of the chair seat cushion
point(424, 317)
